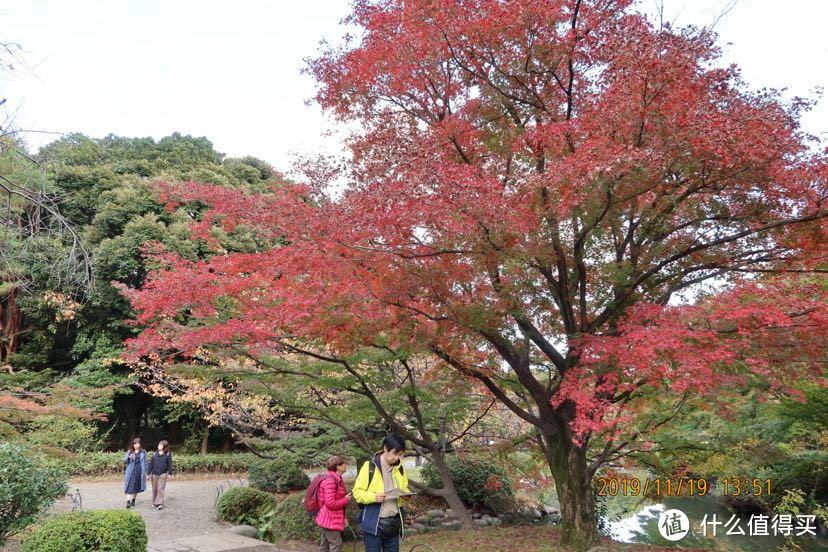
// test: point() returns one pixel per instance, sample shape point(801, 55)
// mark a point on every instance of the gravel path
point(188, 508)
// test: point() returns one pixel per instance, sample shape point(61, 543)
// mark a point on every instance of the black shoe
point(159, 507)
point(129, 504)
point(133, 503)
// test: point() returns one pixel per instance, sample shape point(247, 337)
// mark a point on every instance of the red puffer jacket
point(332, 501)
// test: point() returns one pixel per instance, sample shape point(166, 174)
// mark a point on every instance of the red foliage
point(493, 483)
point(554, 192)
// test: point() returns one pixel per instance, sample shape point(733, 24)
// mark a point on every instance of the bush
point(288, 521)
point(803, 469)
point(243, 505)
point(28, 487)
point(507, 507)
point(277, 476)
point(60, 432)
point(101, 530)
point(478, 482)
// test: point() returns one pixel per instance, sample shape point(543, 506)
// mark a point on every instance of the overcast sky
point(230, 71)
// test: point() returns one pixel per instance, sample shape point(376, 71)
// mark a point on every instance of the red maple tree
point(577, 209)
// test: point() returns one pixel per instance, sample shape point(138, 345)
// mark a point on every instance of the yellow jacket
point(365, 492)
point(367, 487)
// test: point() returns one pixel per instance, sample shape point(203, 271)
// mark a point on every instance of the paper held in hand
point(397, 493)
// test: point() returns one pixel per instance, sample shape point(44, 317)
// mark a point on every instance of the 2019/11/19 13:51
point(658, 487)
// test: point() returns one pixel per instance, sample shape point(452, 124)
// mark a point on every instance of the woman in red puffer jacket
point(332, 501)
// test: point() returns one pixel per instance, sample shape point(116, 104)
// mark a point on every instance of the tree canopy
point(81, 199)
point(579, 210)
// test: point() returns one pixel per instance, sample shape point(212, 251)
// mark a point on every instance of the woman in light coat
point(135, 473)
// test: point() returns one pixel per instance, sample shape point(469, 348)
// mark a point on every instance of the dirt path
point(188, 509)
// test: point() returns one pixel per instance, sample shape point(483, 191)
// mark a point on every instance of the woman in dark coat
point(160, 466)
point(135, 474)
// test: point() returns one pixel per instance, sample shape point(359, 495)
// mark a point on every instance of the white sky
point(230, 71)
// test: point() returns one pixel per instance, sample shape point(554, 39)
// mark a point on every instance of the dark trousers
point(378, 543)
point(387, 538)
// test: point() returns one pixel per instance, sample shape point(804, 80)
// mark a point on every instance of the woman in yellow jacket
point(380, 517)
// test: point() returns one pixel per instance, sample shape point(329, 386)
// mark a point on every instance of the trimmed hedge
point(477, 481)
point(112, 463)
point(94, 530)
point(277, 476)
point(244, 506)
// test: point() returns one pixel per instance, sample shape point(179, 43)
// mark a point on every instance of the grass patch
point(495, 539)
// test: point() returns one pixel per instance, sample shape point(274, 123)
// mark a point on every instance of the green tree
point(781, 439)
point(27, 488)
point(106, 193)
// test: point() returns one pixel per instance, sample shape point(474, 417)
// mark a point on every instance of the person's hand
point(380, 497)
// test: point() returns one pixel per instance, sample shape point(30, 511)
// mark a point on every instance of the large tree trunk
point(132, 423)
point(11, 320)
point(204, 439)
point(573, 484)
point(449, 492)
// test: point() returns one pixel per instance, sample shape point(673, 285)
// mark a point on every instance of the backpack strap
point(318, 489)
point(338, 481)
point(327, 475)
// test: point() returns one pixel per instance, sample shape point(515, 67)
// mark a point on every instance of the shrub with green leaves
point(277, 476)
point(243, 505)
point(93, 530)
point(288, 521)
point(28, 487)
point(478, 482)
point(60, 432)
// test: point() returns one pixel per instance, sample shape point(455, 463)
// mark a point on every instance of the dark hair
point(334, 462)
point(394, 441)
point(164, 444)
point(131, 447)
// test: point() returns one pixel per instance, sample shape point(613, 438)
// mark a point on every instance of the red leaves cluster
point(493, 483)
point(533, 186)
point(772, 333)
